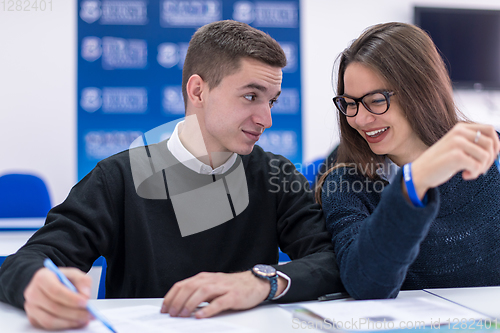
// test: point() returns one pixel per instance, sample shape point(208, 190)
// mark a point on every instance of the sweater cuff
point(289, 283)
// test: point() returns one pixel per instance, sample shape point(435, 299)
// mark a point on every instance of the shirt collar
point(388, 170)
point(180, 152)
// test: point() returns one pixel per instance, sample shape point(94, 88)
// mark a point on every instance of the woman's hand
point(470, 148)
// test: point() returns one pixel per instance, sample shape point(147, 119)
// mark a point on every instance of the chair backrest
point(310, 170)
point(102, 282)
point(23, 195)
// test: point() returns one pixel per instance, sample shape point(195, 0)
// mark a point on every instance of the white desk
point(265, 318)
point(12, 235)
point(11, 241)
point(484, 300)
point(17, 223)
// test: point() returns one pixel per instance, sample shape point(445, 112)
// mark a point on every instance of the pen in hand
point(53, 268)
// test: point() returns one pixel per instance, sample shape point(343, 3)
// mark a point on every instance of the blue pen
point(497, 162)
point(52, 267)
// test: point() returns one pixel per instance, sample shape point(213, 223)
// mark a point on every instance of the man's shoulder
point(121, 158)
point(261, 164)
point(142, 151)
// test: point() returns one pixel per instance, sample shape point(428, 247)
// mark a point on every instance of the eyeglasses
point(377, 102)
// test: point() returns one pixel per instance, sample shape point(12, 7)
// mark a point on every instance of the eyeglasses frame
point(387, 94)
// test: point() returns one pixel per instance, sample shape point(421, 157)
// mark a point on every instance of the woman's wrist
point(417, 198)
point(418, 176)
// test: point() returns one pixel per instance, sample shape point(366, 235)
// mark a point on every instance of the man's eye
point(272, 102)
point(250, 98)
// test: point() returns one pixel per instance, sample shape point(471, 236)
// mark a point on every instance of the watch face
point(264, 270)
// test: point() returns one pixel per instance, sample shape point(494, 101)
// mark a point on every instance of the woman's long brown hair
point(407, 59)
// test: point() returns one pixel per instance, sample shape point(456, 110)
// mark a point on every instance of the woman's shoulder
point(352, 174)
point(349, 184)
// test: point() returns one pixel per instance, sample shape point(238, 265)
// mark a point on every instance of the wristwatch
point(268, 273)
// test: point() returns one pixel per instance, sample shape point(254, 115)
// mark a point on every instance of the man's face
point(236, 112)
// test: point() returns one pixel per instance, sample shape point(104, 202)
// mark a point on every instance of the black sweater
point(145, 251)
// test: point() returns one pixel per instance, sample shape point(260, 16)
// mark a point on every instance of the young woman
point(414, 199)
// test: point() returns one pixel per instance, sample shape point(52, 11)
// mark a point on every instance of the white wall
point(37, 94)
point(38, 80)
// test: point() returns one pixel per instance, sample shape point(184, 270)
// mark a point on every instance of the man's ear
point(194, 88)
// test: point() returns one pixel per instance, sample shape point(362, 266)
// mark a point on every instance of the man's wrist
point(269, 274)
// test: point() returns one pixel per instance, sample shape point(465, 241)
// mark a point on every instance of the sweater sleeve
point(303, 236)
point(376, 235)
point(75, 233)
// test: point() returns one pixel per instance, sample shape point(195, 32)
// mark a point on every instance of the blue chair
point(101, 292)
point(311, 170)
point(23, 196)
point(283, 257)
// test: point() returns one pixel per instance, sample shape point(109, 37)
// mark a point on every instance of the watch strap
point(274, 287)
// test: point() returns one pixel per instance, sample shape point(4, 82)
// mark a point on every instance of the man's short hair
point(215, 51)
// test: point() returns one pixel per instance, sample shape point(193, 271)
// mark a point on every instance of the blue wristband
point(410, 187)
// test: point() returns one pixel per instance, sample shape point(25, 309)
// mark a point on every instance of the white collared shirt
point(183, 155)
point(388, 170)
point(190, 161)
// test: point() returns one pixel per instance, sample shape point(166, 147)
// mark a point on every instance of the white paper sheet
point(391, 313)
point(147, 318)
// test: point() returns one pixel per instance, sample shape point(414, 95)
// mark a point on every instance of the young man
point(193, 216)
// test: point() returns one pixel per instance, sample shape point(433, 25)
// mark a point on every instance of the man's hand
point(50, 305)
point(235, 291)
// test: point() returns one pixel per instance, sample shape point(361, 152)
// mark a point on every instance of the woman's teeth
point(377, 132)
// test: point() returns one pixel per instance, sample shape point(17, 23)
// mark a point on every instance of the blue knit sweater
point(384, 244)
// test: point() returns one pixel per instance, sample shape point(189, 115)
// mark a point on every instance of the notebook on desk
point(388, 315)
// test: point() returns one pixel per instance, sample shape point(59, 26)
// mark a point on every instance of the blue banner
point(130, 58)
